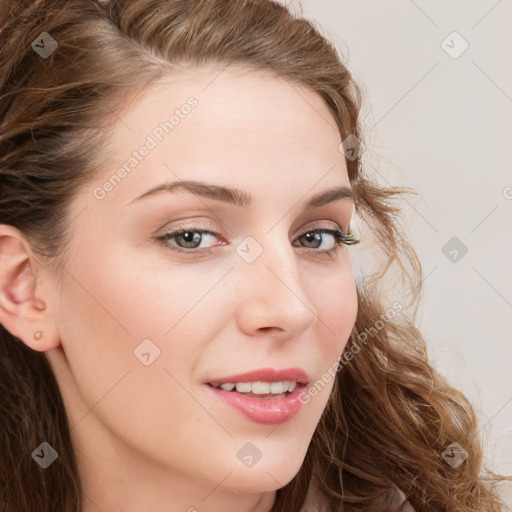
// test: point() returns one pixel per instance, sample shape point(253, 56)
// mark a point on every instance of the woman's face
point(148, 319)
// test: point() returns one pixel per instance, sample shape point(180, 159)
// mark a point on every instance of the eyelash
point(340, 237)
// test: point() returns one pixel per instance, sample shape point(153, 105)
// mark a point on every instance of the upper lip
point(265, 375)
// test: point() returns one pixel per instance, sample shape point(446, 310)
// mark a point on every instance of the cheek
point(336, 305)
point(103, 323)
point(115, 302)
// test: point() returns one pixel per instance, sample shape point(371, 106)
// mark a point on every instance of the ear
point(25, 292)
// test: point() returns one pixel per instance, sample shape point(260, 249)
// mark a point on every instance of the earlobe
point(23, 304)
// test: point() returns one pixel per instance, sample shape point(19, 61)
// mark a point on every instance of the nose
point(271, 297)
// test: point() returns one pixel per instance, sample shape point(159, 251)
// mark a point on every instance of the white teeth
point(243, 387)
point(260, 388)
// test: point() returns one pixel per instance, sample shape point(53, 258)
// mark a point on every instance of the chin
point(262, 477)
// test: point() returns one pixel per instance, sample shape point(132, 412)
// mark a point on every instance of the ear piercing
point(38, 335)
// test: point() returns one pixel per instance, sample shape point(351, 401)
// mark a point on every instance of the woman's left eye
point(188, 239)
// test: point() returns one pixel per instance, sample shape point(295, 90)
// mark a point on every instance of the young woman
point(181, 325)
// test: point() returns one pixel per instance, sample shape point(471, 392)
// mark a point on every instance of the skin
point(152, 437)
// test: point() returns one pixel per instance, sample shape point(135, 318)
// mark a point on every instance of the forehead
point(226, 124)
point(229, 99)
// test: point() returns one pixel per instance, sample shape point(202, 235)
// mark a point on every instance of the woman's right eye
point(187, 240)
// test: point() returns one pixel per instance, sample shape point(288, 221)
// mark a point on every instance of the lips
point(259, 409)
point(265, 375)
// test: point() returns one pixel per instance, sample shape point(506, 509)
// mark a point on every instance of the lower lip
point(266, 411)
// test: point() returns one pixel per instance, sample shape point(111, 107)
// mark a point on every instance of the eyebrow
point(239, 197)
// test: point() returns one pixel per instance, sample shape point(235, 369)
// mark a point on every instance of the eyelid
point(192, 224)
point(209, 226)
point(322, 224)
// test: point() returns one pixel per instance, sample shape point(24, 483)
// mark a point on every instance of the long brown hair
point(390, 416)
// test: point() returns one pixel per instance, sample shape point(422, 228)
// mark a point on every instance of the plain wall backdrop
point(439, 108)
